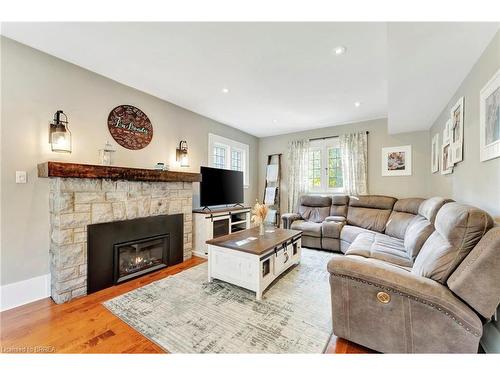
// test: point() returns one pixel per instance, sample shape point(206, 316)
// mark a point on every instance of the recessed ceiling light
point(357, 104)
point(225, 90)
point(340, 50)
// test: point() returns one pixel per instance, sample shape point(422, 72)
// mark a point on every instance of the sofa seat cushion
point(381, 247)
point(308, 228)
point(349, 233)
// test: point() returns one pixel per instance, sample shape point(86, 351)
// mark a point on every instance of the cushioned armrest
point(398, 281)
point(331, 229)
point(289, 218)
point(339, 219)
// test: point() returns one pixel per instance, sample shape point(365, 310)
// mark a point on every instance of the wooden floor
point(85, 326)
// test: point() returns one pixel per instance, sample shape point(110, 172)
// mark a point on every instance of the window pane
point(219, 157)
point(236, 160)
point(315, 169)
point(334, 169)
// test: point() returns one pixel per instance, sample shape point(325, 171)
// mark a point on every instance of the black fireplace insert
point(135, 258)
point(121, 250)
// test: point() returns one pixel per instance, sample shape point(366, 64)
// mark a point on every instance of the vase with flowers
point(259, 213)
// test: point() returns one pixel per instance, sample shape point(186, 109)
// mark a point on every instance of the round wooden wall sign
point(130, 127)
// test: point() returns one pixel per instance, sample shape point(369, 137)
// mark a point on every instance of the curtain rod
point(332, 136)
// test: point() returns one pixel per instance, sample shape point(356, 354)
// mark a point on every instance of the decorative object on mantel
point(72, 170)
point(106, 153)
point(435, 153)
point(396, 161)
point(457, 131)
point(161, 166)
point(59, 134)
point(181, 154)
point(130, 127)
point(259, 214)
point(489, 119)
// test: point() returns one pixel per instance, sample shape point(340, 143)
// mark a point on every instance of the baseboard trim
point(23, 292)
point(199, 254)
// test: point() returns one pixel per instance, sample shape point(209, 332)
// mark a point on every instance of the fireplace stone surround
point(75, 203)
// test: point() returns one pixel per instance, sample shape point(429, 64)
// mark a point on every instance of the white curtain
point(354, 151)
point(298, 158)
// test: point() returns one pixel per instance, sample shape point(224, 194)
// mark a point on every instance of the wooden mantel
point(72, 170)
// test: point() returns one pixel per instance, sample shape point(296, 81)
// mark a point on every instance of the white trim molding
point(230, 144)
point(25, 291)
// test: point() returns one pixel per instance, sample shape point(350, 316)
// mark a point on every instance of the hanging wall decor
point(396, 161)
point(446, 149)
point(130, 127)
point(457, 131)
point(435, 153)
point(489, 119)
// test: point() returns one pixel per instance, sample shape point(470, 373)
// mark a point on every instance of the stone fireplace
point(82, 195)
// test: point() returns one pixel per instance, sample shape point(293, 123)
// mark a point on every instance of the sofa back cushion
point(314, 208)
point(339, 205)
point(459, 228)
point(417, 232)
point(430, 207)
point(403, 212)
point(477, 279)
point(370, 211)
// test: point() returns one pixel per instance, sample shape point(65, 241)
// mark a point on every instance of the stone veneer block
point(75, 203)
point(101, 212)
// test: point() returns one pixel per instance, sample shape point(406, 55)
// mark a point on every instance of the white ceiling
point(282, 77)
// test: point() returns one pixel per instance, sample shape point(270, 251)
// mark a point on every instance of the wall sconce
point(181, 154)
point(59, 134)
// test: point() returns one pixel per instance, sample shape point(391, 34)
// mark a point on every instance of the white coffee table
point(251, 261)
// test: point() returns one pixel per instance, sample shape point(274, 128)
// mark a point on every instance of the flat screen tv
point(220, 186)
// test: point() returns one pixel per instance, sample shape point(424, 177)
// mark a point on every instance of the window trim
point(323, 145)
point(230, 145)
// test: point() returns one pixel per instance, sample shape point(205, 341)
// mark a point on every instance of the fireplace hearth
point(121, 250)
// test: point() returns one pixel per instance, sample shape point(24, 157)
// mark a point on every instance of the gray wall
point(404, 186)
point(34, 85)
point(473, 181)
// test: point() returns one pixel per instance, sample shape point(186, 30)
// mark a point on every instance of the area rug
point(184, 313)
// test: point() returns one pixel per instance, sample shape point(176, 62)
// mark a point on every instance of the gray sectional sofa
point(416, 275)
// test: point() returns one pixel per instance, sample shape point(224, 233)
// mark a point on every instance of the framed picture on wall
point(446, 163)
point(457, 131)
point(435, 153)
point(396, 161)
point(446, 132)
point(489, 119)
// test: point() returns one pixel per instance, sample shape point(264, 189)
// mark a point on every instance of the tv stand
point(210, 223)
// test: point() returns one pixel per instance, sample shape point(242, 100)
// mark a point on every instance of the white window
point(236, 160)
point(325, 166)
point(219, 156)
point(228, 154)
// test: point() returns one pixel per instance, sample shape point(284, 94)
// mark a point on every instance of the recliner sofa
point(417, 275)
